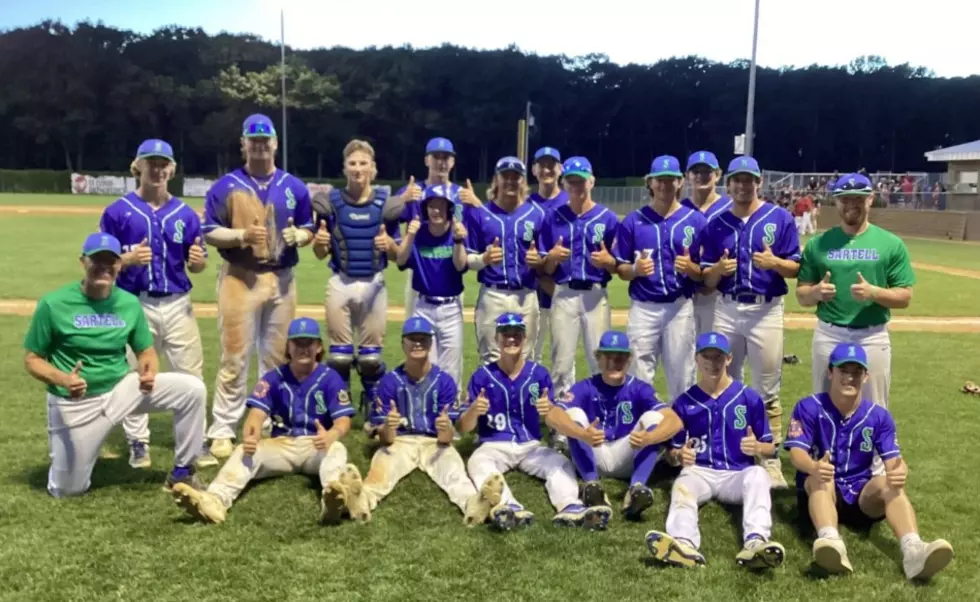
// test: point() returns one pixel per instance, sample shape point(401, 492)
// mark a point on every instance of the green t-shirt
point(880, 256)
point(69, 327)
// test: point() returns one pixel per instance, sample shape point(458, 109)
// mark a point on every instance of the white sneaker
point(923, 560)
point(202, 505)
point(222, 448)
point(775, 470)
point(831, 555)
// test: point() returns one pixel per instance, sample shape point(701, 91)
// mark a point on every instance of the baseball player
point(255, 216)
point(76, 345)
point(748, 253)
point(725, 431)
point(440, 159)
point(657, 252)
point(616, 424)
point(356, 225)
point(834, 439)
point(549, 196)
point(435, 250)
point(310, 409)
point(577, 237)
point(499, 236)
point(703, 174)
point(855, 274)
point(161, 242)
point(506, 399)
point(416, 405)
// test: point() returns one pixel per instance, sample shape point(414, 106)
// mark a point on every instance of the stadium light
point(750, 105)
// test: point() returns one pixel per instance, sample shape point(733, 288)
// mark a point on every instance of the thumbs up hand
point(468, 195)
point(862, 290)
point(250, 437)
point(824, 290)
point(533, 258)
point(143, 253)
point(684, 265)
point(749, 444)
point(643, 266)
point(459, 232)
point(594, 435)
point(542, 403)
point(726, 266)
point(383, 241)
point(322, 238)
point(323, 438)
point(688, 454)
point(494, 254)
point(559, 252)
point(896, 471)
point(414, 226)
point(765, 260)
point(444, 427)
point(602, 258)
point(393, 420)
point(825, 468)
point(413, 192)
point(75, 384)
point(481, 404)
point(255, 234)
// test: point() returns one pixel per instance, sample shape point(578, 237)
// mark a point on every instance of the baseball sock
point(828, 533)
point(643, 462)
point(584, 459)
point(908, 541)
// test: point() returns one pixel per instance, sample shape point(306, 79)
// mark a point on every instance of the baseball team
point(707, 281)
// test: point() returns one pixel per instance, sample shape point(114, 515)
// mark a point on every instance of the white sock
point(908, 541)
point(828, 533)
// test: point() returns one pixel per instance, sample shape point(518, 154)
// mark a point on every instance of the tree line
point(82, 98)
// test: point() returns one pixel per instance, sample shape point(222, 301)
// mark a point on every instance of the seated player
point(310, 409)
point(718, 449)
point(832, 440)
point(414, 411)
point(615, 424)
point(506, 398)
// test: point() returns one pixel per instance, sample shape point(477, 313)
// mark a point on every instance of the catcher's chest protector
point(353, 241)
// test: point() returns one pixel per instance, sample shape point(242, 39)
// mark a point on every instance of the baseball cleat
point(572, 515)
point(503, 518)
point(201, 505)
point(523, 518)
point(333, 503)
point(923, 560)
point(638, 498)
point(594, 495)
point(675, 552)
point(139, 455)
point(479, 504)
point(831, 555)
point(597, 517)
point(206, 459)
point(760, 554)
point(791, 359)
point(222, 448)
point(186, 476)
point(775, 470)
point(356, 505)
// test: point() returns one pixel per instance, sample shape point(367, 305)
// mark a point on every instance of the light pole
point(750, 105)
point(282, 55)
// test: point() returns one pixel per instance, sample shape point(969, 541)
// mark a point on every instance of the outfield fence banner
point(111, 185)
point(196, 187)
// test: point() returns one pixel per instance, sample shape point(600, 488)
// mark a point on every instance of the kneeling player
point(718, 449)
point(614, 423)
point(843, 430)
point(414, 414)
point(310, 409)
point(505, 399)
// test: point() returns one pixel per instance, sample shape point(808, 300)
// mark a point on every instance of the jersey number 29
point(497, 421)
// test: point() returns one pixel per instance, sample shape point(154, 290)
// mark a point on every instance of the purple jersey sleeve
point(303, 214)
point(802, 427)
point(710, 244)
point(215, 210)
point(788, 241)
point(886, 437)
point(575, 396)
point(385, 395)
point(680, 438)
point(625, 240)
point(448, 396)
point(263, 394)
point(335, 390)
point(758, 419)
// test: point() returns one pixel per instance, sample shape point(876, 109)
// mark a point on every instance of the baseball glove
point(246, 210)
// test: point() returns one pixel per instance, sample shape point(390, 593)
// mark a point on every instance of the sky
point(938, 34)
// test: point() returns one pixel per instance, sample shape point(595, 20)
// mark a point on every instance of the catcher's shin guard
point(341, 359)
point(371, 368)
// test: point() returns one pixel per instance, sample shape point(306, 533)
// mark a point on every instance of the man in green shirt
point(855, 274)
point(76, 344)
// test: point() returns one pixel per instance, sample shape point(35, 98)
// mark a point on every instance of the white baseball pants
point(276, 457)
point(544, 328)
point(696, 485)
point(615, 459)
point(77, 428)
point(394, 462)
point(704, 312)
point(530, 458)
point(447, 346)
point(576, 314)
point(663, 331)
point(411, 295)
point(175, 337)
point(490, 304)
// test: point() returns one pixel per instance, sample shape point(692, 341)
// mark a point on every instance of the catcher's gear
point(341, 362)
point(245, 210)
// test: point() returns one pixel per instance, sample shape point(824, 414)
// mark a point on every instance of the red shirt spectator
point(802, 206)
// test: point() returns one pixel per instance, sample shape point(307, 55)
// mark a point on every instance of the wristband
point(459, 241)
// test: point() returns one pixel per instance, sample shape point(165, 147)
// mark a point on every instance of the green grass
point(81, 200)
point(48, 247)
point(126, 540)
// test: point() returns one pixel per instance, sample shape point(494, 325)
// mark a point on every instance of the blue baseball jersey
point(431, 261)
point(817, 426)
point(294, 405)
point(169, 231)
point(512, 415)
point(549, 204)
point(665, 239)
point(718, 425)
point(285, 192)
point(769, 224)
point(617, 407)
point(581, 234)
point(419, 403)
point(720, 206)
point(516, 231)
point(413, 209)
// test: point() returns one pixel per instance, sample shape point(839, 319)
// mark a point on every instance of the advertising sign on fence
point(111, 185)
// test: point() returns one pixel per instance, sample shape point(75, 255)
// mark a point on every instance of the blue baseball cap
point(665, 166)
point(510, 164)
point(703, 158)
point(258, 126)
point(154, 148)
point(418, 325)
point(100, 241)
point(303, 328)
point(713, 340)
point(547, 151)
point(577, 166)
point(848, 353)
point(853, 183)
point(511, 320)
point(440, 145)
point(744, 164)
point(614, 341)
